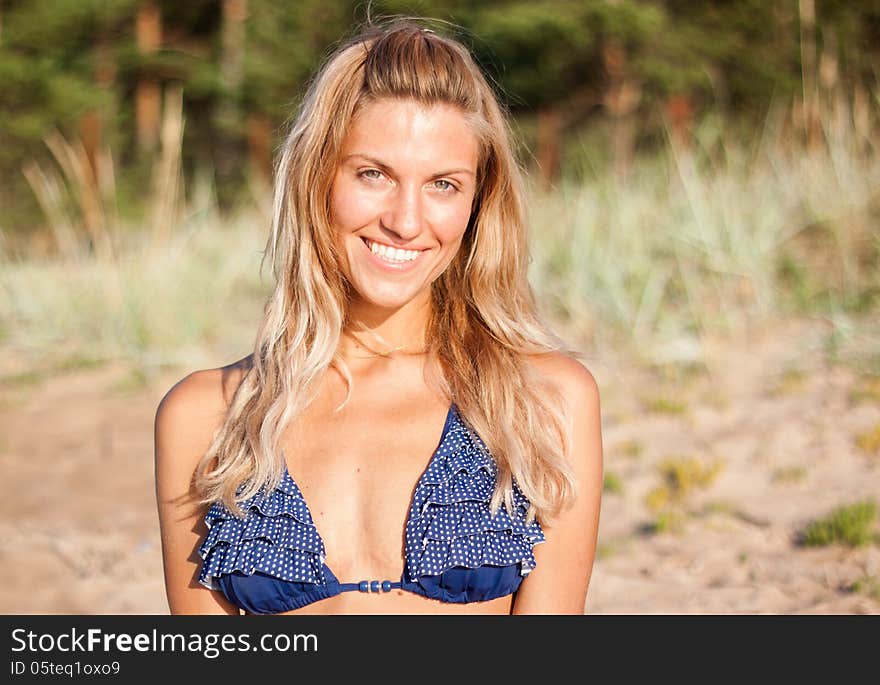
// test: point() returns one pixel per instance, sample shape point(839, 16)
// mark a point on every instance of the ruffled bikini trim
point(277, 536)
point(450, 524)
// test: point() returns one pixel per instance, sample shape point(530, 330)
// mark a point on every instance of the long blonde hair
point(483, 318)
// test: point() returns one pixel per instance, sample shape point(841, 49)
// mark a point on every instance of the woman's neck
point(379, 332)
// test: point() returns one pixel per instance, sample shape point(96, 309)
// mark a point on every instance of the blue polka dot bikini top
point(272, 560)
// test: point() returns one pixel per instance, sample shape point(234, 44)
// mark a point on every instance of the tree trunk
point(92, 125)
point(807, 16)
point(229, 149)
point(97, 194)
point(622, 96)
point(548, 144)
point(259, 129)
point(680, 115)
point(147, 96)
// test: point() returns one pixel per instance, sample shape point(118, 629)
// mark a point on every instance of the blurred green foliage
point(849, 525)
point(63, 60)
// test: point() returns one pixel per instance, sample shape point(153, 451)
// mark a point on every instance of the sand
point(79, 531)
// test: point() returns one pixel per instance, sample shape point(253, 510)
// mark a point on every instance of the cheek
point(348, 210)
point(454, 221)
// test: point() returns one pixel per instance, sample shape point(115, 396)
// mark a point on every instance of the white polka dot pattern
point(449, 523)
point(277, 536)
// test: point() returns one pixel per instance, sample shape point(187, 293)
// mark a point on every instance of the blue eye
point(446, 187)
point(367, 173)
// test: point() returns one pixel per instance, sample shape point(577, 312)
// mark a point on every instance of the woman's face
point(402, 197)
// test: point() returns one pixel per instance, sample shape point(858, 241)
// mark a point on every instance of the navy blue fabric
point(260, 593)
point(272, 560)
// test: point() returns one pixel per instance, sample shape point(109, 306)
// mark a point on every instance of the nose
point(403, 216)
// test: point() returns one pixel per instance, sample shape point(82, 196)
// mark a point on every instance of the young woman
point(407, 436)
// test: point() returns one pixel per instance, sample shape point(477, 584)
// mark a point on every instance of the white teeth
point(392, 254)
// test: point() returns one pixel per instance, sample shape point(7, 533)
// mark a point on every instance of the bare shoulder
point(187, 419)
point(559, 583)
point(205, 390)
point(193, 407)
point(580, 393)
point(574, 380)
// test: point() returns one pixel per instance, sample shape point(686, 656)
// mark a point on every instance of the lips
point(391, 253)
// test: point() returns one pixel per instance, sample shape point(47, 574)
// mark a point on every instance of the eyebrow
point(379, 163)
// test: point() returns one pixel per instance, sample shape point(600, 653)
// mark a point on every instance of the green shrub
point(867, 585)
point(850, 525)
point(604, 550)
point(669, 521)
point(665, 405)
point(612, 483)
point(679, 478)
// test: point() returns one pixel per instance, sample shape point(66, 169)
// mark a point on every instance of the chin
point(387, 299)
point(388, 302)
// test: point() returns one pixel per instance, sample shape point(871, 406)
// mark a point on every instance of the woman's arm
point(558, 584)
point(185, 422)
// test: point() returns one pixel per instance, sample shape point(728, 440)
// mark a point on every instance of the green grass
point(632, 449)
point(679, 372)
point(664, 405)
point(40, 373)
point(679, 478)
point(868, 390)
point(133, 381)
point(867, 585)
point(850, 525)
point(606, 550)
point(669, 521)
point(869, 441)
point(192, 301)
point(789, 382)
point(612, 484)
point(692, 240)
point(789, 474)
point(702, 238)
point(718, 507)
point(23, 378)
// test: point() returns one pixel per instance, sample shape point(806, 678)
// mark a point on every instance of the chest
point(357, 470)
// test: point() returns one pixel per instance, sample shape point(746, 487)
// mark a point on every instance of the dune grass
point(789, 474)
point(612, 483)
point(869, 441)
point(694, 239)
point(867, 585)
point(679, 478)
point(790, 382)
point(150, 306)
point(850, 525)
point(867, 391)
point(719, 233)
point(664, 405)
point(631, 449)
point(669, 521)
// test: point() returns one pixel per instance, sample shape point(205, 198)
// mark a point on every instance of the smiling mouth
point(392, 255)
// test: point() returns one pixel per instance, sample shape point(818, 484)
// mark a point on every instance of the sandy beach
point(79, 531)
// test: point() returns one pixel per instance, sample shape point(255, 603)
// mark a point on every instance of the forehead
point(400, 131)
